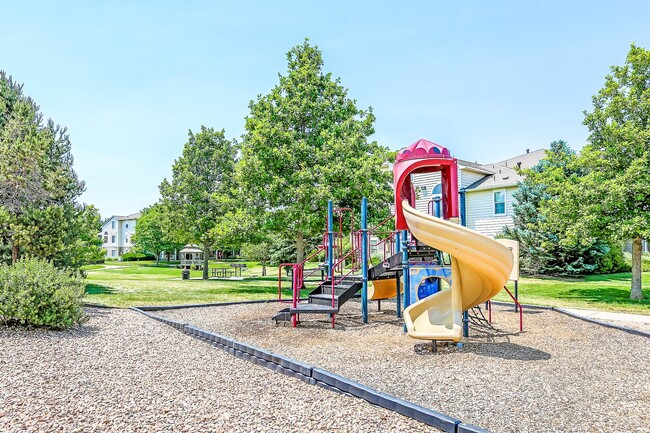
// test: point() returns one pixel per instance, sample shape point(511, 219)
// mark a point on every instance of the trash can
point(185, 274)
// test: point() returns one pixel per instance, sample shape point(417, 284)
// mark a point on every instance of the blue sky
point(485, 79)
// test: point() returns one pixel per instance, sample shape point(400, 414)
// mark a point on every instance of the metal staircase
point(321, 301)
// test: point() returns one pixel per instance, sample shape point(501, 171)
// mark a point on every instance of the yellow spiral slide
point(480, 266)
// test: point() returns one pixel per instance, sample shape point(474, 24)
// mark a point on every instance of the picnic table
point(234, 270)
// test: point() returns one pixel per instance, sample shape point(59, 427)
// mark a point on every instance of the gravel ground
point(561, 374)
point(124, 372)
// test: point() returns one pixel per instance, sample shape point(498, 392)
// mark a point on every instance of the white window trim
point(505, 203)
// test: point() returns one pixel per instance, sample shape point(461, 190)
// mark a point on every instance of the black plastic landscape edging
point(323, 378)
point(602, 323)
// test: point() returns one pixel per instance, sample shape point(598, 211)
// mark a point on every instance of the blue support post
point(398, 244)
point(406, 275)
point(438, 211)
point(463, 217)
point(364, 259)
point(330, 240)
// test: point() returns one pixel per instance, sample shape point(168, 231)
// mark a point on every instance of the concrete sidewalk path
point(634, 321)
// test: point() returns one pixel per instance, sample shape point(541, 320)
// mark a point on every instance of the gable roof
point(133, 216)
point(473, 166)
point(504, 173)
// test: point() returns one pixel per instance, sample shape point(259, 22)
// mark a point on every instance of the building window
point(126, 240)
point(105, 237)
point(113, 224)
point(127, 225)
point(112, 253)
point(500, 202)
point(112, 239)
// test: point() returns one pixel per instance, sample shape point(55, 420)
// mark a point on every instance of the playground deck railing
point(297, 274)
point(388, 241)
point(335, 281)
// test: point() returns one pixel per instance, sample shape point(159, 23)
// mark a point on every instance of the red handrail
point(385, 242)
point(372, 229)
point(521, 315)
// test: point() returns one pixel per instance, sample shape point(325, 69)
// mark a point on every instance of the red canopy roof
point(424, 157)
point(422, 149)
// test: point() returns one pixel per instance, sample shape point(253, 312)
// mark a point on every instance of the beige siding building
point(487, 190)
point(117, 234)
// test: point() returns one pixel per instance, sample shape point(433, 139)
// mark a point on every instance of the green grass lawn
point(127, 284)
point(599, 292)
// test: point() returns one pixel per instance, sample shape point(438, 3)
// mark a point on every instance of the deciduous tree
point(199, 198)
point(306, 142)
point(151, 232)
point(612, 199)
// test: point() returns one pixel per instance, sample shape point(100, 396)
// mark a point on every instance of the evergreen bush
point(34, 292)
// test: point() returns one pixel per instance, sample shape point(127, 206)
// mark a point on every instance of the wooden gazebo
point(191, 257)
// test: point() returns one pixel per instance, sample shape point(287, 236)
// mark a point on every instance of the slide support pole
point(465, 324)
point(398, 298)
point(516, 294)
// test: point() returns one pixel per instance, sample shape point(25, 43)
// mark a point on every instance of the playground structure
point(424, 253)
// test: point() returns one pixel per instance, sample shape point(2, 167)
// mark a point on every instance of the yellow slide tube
point(480, 266)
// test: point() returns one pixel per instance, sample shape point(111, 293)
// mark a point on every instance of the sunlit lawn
point(127, 284)
point(599, 292)
point(143, 283)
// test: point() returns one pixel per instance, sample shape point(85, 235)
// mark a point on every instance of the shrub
point(34, 292)
point(136, 257)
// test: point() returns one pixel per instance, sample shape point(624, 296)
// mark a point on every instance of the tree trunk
point(158, 258)
point(15, 252)
point(206, 253)
point(636, 292)
point(300, 247)
point(264, 268)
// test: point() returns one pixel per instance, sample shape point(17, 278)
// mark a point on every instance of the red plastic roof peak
point(422, 149)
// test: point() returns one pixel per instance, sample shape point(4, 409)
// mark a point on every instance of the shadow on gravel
point(30, 332)
point(507, 350)
point(82, 330)
point(501, 350)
